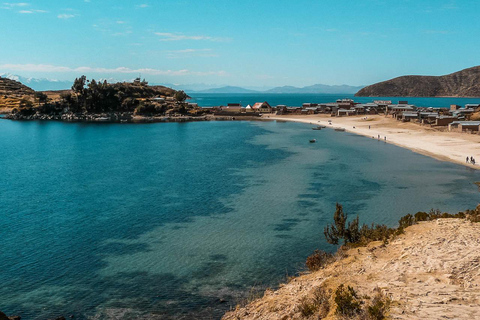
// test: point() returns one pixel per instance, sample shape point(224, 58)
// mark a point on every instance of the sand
point(430, 272)
point(442, 145)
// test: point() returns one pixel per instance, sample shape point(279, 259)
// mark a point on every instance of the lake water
point(209, 100)
point(180, 220)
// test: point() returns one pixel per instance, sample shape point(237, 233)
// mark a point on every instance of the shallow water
point(163, 220)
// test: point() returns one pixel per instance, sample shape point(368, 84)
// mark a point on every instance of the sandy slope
point(448, 146)
point(430, 272)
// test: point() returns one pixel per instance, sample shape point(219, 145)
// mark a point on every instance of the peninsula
point(89, 100)
point(464, 83)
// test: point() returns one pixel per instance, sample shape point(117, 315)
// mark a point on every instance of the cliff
point(431, 271)
point(464, 83)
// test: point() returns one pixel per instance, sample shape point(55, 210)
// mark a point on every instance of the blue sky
point(245, 43)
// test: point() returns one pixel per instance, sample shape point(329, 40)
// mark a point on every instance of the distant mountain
point(42, 84)
point(317, 88)
point(464, 83)
point(227, 89)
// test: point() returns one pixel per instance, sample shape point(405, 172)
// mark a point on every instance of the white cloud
point(12, 5)
point(66, 16)
point(184, 53)
point(31, 11)
point(46, 68)
point(168, 36)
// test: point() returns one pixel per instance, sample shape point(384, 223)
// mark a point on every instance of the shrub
point(307, 307)
point(347, 301)
point(421, 216)
point(321, 298)
point(318, 303)
point(318, 260)
point(378, 308)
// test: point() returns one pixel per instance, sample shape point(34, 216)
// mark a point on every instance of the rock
point(3, 316)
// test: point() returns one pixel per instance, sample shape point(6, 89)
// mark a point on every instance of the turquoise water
point(211, 99)
point(125, 221)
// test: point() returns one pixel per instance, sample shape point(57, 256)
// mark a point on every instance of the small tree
point(180, 96)
point(350, 232)
point(41, 97)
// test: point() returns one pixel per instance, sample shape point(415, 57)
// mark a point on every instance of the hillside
point(11, 92)
point(430, 272)
point(464, 83)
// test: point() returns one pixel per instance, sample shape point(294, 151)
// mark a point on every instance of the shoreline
point(441, 145)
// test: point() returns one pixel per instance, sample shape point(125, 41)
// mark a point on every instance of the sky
point(249, 43)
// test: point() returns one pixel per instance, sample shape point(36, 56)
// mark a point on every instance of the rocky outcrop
point(465, 83)
point(3, 316)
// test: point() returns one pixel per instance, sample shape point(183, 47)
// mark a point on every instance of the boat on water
point(317, 128)
point(339, 129)
point(313, 140)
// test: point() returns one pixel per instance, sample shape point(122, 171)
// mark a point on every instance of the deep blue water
point(209, 100)
point(115, 221)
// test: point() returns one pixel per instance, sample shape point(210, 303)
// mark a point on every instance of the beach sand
point(442, 145)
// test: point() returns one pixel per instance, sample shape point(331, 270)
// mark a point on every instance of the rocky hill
point(11, 92)
point(464, 83)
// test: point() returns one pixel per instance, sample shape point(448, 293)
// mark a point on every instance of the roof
point(259, 105)
point(466, 123)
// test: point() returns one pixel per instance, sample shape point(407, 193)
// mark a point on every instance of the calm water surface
point(216, 99)
point(121, 221)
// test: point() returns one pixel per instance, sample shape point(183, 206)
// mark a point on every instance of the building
point(262, 107)
point(472, 126)
point(445, 120)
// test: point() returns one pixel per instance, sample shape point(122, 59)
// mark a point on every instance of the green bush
point(347, 301)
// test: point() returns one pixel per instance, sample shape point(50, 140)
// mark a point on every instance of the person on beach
point(378, 137)
point(467, 160)
point(385, 138)
point(471, 159)
point(368, 127)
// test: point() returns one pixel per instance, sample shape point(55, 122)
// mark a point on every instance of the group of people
point(471, 160)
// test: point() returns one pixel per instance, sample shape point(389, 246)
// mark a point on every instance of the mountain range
point(44, 84)
point(316, 88)
point(39, 84)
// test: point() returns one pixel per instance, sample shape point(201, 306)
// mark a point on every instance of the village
point(455, 118)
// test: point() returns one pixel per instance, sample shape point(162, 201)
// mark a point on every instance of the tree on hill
point(180, 96)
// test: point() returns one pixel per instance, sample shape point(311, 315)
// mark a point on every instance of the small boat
point(313, 140)
point(339, 129)
point(317, 128)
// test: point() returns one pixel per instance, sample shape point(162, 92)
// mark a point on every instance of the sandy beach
point(442, 145)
